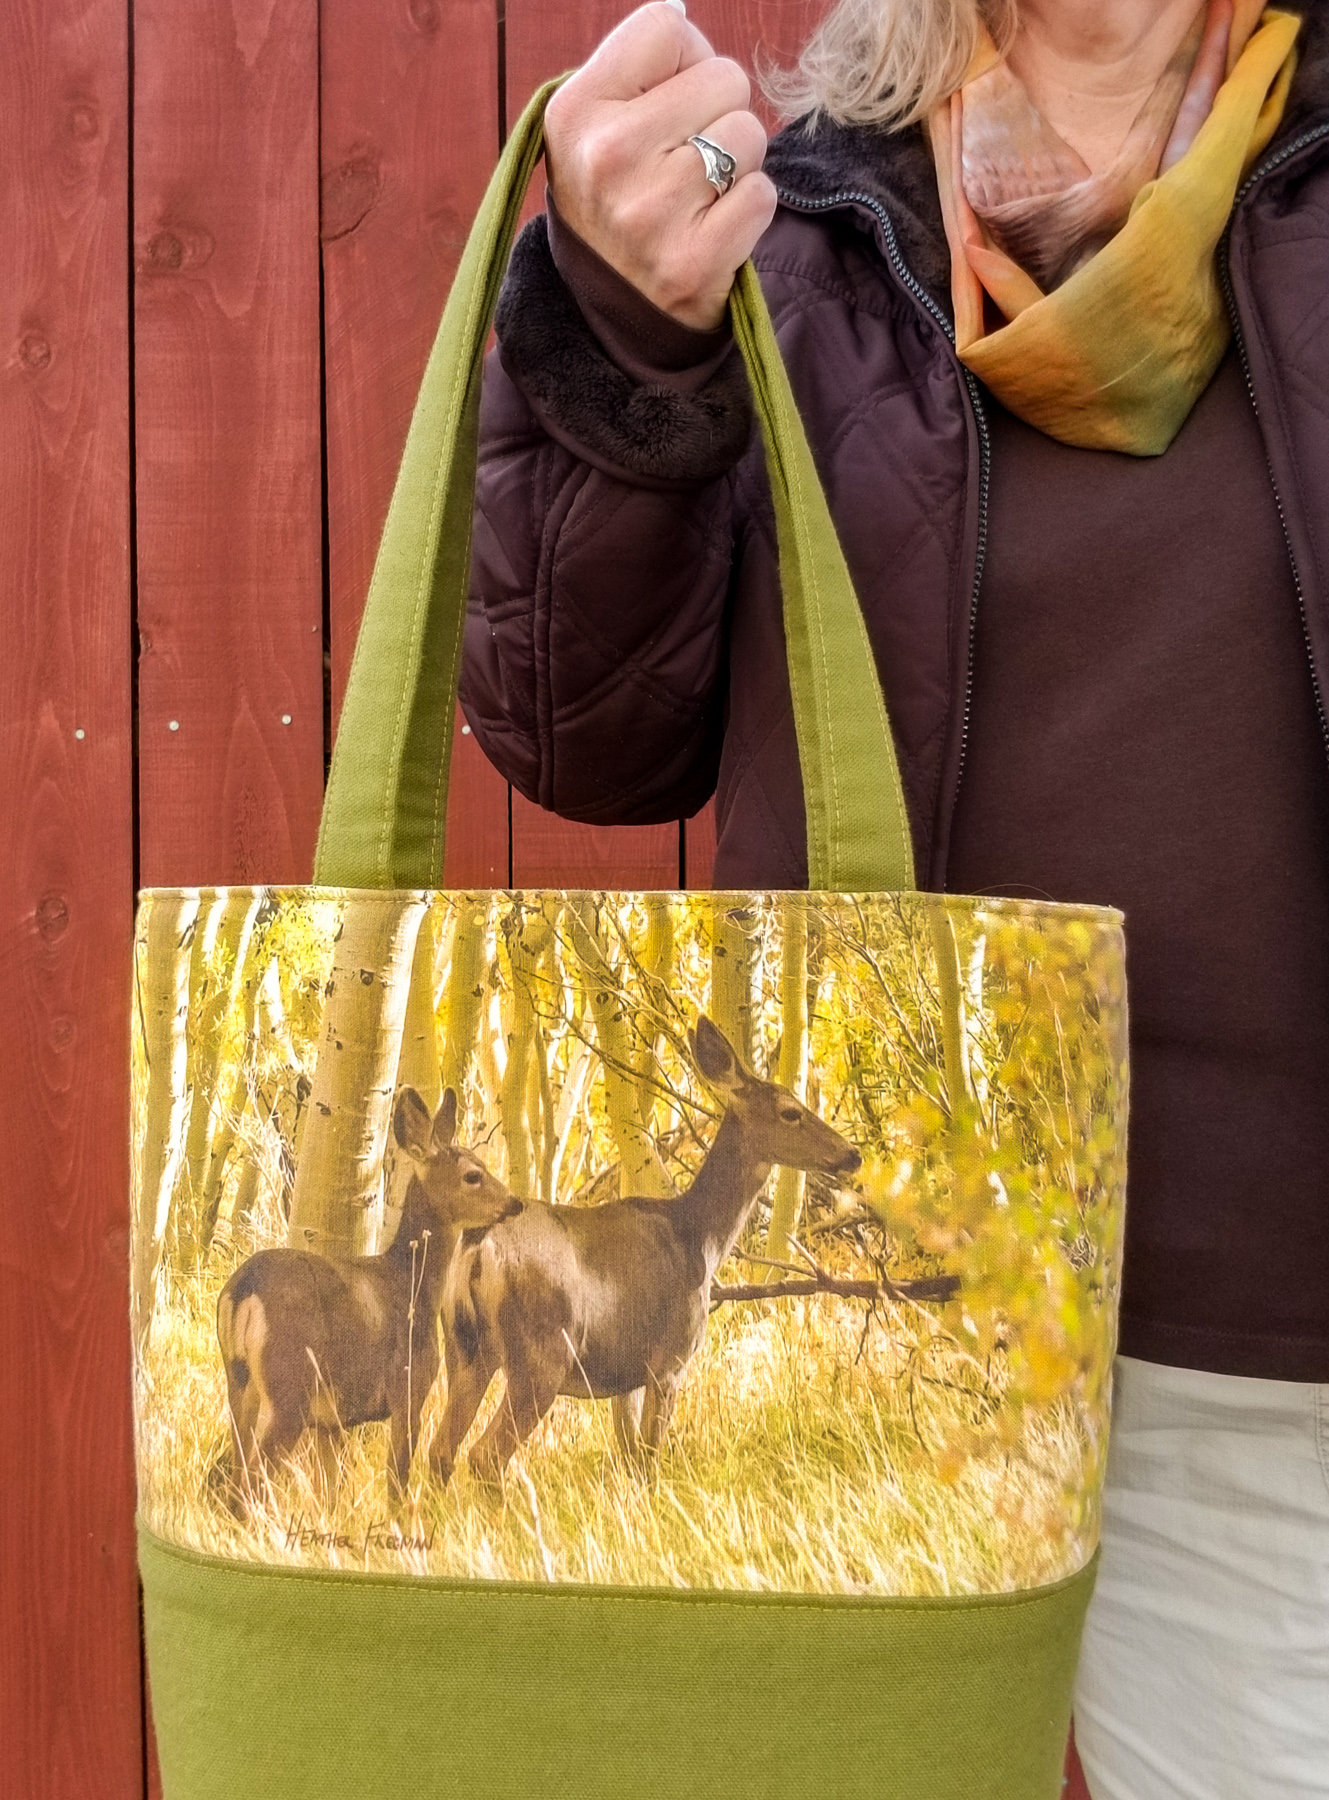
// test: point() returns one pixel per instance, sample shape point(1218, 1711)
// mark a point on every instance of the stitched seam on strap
point(828, 769)
point(463, 367)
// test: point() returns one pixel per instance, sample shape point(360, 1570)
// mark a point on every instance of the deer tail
point(242, 1330)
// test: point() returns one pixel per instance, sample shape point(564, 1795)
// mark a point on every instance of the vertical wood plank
point(228, 442)
point(409, 137)
point(699, 839)
point(1075, 1786)
point(477, 850)
point(757, 31)
point(545, 36)
point(69, 1657)
point(549, 852)
point(152, 1775)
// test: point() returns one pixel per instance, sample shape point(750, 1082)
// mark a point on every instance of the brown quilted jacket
point(624, 653)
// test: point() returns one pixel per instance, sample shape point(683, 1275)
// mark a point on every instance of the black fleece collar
point(895, 168)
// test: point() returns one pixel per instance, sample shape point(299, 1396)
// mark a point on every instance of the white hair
point(886, 62)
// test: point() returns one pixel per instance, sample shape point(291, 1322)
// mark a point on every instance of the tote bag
point(596, 1343)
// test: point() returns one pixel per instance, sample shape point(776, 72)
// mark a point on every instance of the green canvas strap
point(385, 812)
point(858, 830)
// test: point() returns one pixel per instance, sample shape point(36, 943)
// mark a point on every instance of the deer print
point(308, 1343)
point(611, 1302)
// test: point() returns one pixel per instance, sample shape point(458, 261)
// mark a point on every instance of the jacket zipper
point(1239, 339)
point(910, 282)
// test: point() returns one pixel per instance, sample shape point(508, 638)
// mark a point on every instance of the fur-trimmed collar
point(895, 167)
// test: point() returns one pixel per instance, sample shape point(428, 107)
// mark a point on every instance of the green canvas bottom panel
point(281, 1684)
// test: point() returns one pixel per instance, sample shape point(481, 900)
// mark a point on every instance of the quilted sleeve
point(595, 668)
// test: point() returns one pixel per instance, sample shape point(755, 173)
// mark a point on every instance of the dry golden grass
point(803, 1456)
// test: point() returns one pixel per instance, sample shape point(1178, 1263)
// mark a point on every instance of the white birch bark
point(336, 1204)
point(163, 955)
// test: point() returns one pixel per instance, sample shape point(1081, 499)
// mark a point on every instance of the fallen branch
point(932, 1287)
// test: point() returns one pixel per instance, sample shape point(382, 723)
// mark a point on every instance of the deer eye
point(792, 1115)
point(472, 1177)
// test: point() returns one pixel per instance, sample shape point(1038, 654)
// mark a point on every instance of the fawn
point(309, 1343)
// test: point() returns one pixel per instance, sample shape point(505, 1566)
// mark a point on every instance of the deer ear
point(715, 1054)
point(445, 1119)
point(410, 1123)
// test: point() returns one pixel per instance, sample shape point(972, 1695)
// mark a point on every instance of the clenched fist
point(626, 179)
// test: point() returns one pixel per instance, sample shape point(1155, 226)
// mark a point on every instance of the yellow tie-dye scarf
point(1115, 356)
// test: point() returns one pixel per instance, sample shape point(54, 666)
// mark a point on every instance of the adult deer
point(611, 1302)
point(312, 1344)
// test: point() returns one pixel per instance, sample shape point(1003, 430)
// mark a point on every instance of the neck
point(1090, 65)
point(428, 1263)
point(720, 1199)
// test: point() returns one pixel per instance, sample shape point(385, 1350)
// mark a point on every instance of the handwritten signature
point(382, 1534)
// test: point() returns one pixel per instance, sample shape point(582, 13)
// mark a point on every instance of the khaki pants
point(1205, 1669)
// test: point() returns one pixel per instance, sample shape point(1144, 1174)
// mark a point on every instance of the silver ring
point(721, 168)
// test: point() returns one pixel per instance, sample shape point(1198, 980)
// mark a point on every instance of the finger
point(669, 114)
point(740, 133)
point(729, 230)
point(651, 46)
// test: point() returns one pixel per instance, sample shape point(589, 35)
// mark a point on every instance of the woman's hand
point(628, 182)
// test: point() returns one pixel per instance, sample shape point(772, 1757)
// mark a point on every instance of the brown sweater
point(1144, 733)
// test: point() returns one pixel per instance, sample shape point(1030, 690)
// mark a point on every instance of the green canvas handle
point(385, 812)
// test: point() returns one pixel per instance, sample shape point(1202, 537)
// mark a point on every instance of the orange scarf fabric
point(1089, 303)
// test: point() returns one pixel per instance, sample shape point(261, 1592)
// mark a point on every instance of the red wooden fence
point(227, 230)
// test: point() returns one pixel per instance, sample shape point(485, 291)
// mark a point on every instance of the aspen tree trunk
point(972, 1187)
point(246, 1193)
point(179, 1230)
point(550, 976)
point(731, 974)
point(570, 1097)
point(658, 963)
point(226, 938)
point(642, 1170)
point(488, 1073)
point(464, 995)
point(275, 1076)
point(417, 1067)
point(233, 1110)
point(335, 1203)
point(526, 937)
point(791, 1068)
point(164, 954)
point(973, 999)
point(950, 995)
point(537, 1079)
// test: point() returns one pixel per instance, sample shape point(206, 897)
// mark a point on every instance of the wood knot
point(346, 194)
point(52, 915)
point(165, 251)
point(448, 230)
point(83, 121)
point(177, 249)
point(34, 352)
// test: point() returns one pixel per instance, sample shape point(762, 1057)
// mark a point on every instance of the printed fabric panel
point(758, 1242)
